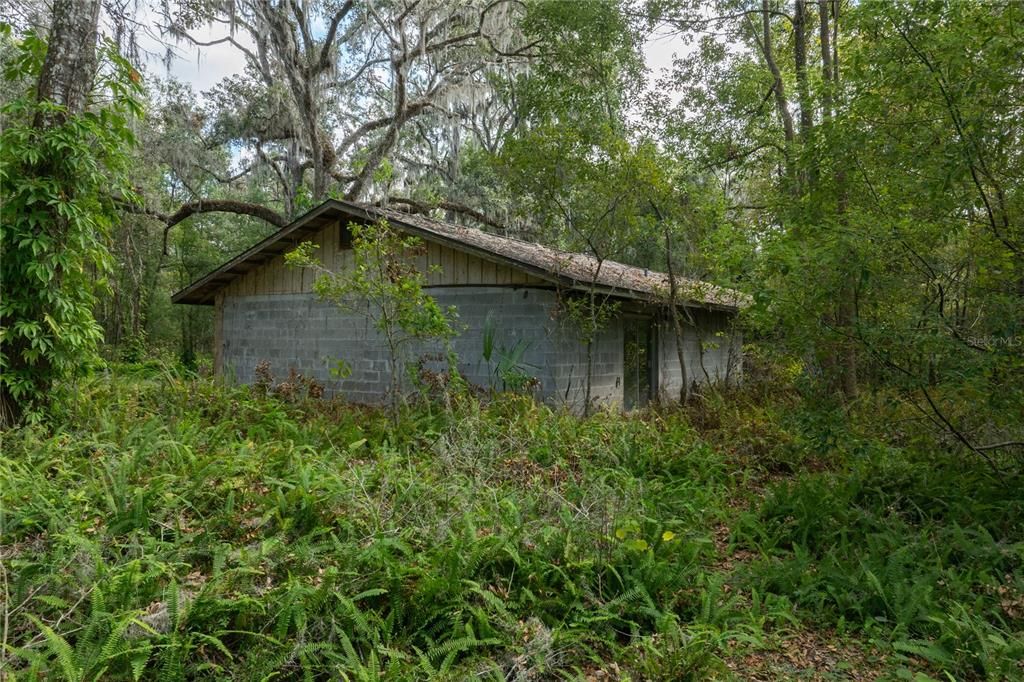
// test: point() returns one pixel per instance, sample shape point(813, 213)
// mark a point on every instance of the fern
point(412, 555)
point(139, 660)
point(115, 644)
point(449, 649)
point(62, 651)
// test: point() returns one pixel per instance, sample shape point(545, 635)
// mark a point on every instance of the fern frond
point(115, 644)
point(60, 648)
point(216, 643)
point(139, 660)
point(458, 646)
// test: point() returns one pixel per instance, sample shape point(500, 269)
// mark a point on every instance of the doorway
point(638, 366)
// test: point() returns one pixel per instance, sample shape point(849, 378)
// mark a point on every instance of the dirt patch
point(809, 655)
point(727, 558)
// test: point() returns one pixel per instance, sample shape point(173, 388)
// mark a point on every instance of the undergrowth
point(171, 528)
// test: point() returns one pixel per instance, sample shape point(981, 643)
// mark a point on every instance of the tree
point(335, 104)
point(871, 194)
point(58, 159)
point(384, 285)
point(800, 173)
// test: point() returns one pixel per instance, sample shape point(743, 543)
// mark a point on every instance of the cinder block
point(297, 329)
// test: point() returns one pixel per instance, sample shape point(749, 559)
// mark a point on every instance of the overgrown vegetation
point(58, 167)
point(382, 283)
point(169, 527)
point(854, 509)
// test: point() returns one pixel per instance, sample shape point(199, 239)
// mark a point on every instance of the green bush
point(920, 554)
point(170, 527)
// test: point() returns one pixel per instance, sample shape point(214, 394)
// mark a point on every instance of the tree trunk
point(808, 175)
point(846, 320)
point(846, 309)
point(592, 330)
point(777, 86)
point(677, 323)
point(590, 377)
point(67, 73)
point(800, 62)
point(826, 59)
point(66, 80)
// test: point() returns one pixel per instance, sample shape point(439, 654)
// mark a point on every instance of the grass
point(170, 528)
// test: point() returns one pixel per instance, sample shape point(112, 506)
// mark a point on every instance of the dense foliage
point(853, 166)
point(57, 206)
point(172, 528)
point(874, 175)
point(854, 508)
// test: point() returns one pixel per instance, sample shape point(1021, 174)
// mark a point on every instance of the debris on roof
point(581, 268)
point(575, 270)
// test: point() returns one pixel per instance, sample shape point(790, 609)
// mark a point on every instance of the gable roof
point(573, 270)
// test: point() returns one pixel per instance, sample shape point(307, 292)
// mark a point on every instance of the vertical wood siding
point(441, 265)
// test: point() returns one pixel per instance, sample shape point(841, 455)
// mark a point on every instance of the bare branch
point(332, 32)
point(424, 207)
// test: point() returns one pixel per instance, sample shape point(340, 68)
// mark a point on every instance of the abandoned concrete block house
point(267, 311)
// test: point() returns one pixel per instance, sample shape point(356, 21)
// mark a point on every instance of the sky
point(204, 67)
point(201, 67)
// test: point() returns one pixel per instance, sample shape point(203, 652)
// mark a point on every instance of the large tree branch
point(225, 179)
point(414, 109)
point(226, 206)
point(300, 21)
point(437, 47)
point(332, 32)
point(377, 155)
point(415, 206)
point(343, 84)
point(204, 206)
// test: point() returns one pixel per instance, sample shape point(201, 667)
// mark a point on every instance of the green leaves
point(382, 281)
point(62, 651)
point(56, 209)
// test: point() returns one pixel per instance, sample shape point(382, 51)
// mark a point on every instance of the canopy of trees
point(853, 509)
point(855, 167)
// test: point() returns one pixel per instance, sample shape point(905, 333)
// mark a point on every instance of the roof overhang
point(204, 290)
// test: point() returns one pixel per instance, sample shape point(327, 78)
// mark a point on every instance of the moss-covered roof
point(572, 270)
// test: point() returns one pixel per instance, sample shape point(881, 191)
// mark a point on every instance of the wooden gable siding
point(440, 265)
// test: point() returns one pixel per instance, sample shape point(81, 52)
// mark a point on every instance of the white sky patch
point(661, 48)
point(204, 67)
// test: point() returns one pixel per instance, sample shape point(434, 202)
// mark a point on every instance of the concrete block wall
point(300, 331)
point(606, 369)
point(520, 316)
point(712, 333)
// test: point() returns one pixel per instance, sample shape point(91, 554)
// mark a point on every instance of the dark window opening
point(638, 371)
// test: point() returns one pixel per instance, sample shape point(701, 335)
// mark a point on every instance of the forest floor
point(166, 527)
